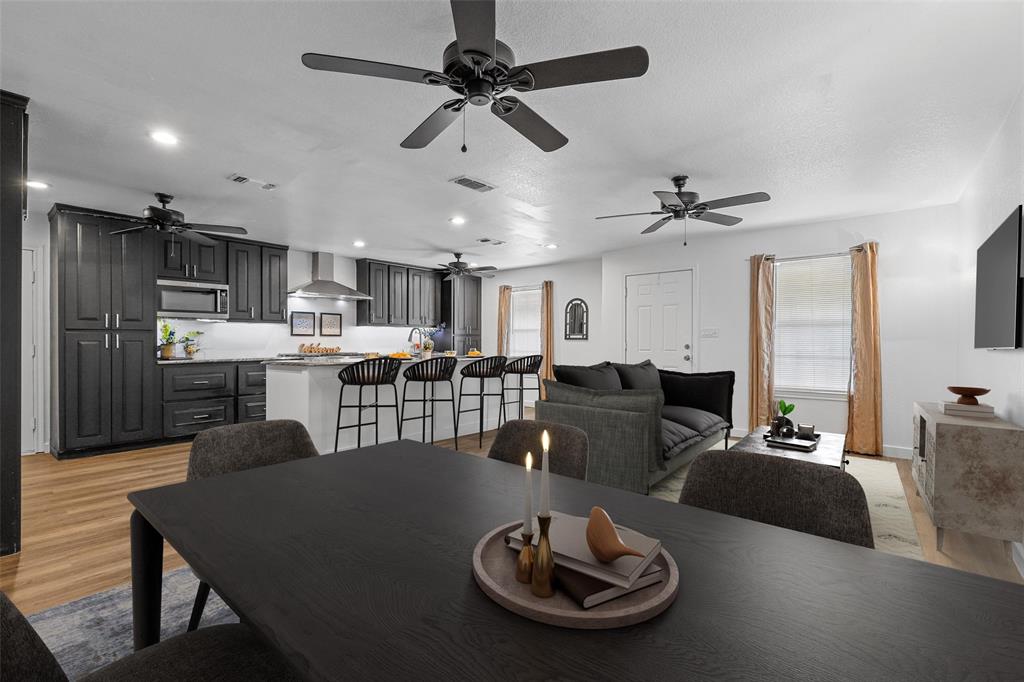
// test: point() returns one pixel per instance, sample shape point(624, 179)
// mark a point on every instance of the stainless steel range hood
point(323, 285)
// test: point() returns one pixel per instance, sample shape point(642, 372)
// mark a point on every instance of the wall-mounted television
point(999, 292)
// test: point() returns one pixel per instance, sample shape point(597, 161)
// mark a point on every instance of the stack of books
point(588, 581)
point(958, 410)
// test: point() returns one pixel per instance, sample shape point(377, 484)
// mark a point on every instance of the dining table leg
point(147, 579)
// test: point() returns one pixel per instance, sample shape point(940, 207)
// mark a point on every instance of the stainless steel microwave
point(191, 299)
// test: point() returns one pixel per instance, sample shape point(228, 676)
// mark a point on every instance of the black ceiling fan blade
point(528, 123)
point(130, 229)
point(474, 30)
point(226, 229)
point(658, 225)
point(484, 268)
point(624, 62)
point(669, 199)
point(194, 236)
point(718, 218)
point(434, 125)
point(739, 200)
point(449, 278)
point(628, 215)
point(120, 218)
point(362, 67)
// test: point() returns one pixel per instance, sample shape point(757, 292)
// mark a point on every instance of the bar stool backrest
point(487, 368)
point(371, 372)
point(528, 364)
point(434, 369)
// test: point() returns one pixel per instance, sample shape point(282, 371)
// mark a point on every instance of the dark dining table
point(357, 565)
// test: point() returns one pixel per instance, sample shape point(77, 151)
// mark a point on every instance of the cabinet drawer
point(198, 381)
point(252, 378)
point(252, 408)
point(193, 416)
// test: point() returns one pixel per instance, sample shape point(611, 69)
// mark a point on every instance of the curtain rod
point(813, 256)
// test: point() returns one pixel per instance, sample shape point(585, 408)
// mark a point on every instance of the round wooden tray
point(494, 567)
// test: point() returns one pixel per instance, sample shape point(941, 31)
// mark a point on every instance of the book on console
point(568, 536)
point(588, 591)
point(968, 410)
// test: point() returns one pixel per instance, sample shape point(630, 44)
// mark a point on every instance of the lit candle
point(528, 496)
point(545, 478)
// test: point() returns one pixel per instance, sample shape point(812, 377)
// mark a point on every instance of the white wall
point(995, 189)
point(580, 279)
point(917, 282)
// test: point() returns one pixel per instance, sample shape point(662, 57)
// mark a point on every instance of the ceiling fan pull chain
point(684, 229)
point(464, 147)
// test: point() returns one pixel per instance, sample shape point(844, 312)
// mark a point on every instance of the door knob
point(686, 357)
point(686, 346)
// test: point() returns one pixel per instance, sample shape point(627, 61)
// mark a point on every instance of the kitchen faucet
point(415, 330)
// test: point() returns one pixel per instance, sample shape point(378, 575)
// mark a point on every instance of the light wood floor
point(76, 541)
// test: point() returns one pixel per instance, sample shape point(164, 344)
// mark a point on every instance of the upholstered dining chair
point(570, 448)
point(802, 496)
point(226, 449)
point(226, 653)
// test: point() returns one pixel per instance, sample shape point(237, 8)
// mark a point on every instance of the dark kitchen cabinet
point(245, 278)
point(424, 291)
point(132, 279)
point(252, 378)
point(185, 419)
point(179, 258)
point(85, 251)
point(372, 279)
point(85, 399)
point(398, 295)
point(204, 395)
point(402, 295)
point(460, 309)
point(274, 266)
point(135, 384)
point(251, 408)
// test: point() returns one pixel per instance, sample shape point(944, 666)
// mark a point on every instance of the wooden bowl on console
point(968, 394)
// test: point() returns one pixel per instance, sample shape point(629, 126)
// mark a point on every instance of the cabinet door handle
point(117, 320)
point(201, 416)
point(195, 274)
point(106, 320)
point(252, 312)
point(117, 341)
point(106, 340)
point(200, 381)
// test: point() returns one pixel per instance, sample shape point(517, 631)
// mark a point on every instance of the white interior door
point(29, 370)
point(659, 319)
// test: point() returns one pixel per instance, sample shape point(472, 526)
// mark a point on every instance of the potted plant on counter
point(427, 351)
point(167, 341)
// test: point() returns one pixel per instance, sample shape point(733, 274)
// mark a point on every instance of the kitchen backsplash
point(255, 339)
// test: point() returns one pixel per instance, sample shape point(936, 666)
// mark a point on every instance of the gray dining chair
point(802, 496)
point(225, 653)
point(227, 449)
point(569, 446)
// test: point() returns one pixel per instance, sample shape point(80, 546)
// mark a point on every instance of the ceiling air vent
point(470, 183)
point(240, 179)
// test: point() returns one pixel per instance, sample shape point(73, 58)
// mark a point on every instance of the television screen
point(998, 292)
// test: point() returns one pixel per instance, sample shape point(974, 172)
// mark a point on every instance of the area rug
point(91, 632)
point(891, 520)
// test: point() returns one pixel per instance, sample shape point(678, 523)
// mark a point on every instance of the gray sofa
point(642, 423)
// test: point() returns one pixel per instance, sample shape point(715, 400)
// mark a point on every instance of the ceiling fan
point(166, 219)
point(681, 204)
point(481, 70)
point(459, 269)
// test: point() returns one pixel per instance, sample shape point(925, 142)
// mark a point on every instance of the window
point(812, 324)
point(524, 327)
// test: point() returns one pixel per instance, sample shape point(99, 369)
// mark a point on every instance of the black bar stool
point(374, 372)
point(429, 372)
point(528, 364)
point(487, 368)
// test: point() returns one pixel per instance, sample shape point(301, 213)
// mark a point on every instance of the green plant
point(786, 408)
point(169, 335)
point(428, 343)
point(166, 333)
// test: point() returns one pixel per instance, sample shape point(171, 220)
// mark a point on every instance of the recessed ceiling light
point(457, 220)
point(359, 243)
point(36, 184)
point(551, 246)
point(164, 137)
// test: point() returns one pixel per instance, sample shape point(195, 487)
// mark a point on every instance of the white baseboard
point(898, 451)
point(1017, 551)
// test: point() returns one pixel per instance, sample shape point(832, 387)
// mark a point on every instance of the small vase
point(166, 351)
point(427, 354)
point(779, 424)
point(542, 584)
point(524, 562)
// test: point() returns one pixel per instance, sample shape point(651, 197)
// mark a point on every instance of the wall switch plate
point(709, 333)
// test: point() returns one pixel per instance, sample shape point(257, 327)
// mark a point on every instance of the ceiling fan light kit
point(482, 71)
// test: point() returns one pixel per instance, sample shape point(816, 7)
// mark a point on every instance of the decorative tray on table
point(494, 571)
point(801, 444)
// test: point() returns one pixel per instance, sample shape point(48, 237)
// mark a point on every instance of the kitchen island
point(307, 389)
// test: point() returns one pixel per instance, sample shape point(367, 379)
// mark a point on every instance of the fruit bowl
point(968, 394)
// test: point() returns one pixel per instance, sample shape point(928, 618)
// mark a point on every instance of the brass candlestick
point(524, 564)
point(542, 584)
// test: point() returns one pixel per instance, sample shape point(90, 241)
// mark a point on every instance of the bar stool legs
point(359, 407)
point(432, 400)
point(521, 388)
point(481, 406)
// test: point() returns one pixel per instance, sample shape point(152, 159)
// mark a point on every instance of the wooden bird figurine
point(603, 540)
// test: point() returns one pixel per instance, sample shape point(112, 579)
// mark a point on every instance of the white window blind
point(812, 324)
point(525, 323)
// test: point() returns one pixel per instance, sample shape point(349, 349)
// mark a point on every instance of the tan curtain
point(762, 323)
point(864, 401)
point(504, 310)
point(547, 332)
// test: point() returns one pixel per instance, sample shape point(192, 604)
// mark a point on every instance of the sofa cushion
point(599, 376)
point(704, 423)
point(640, 375)
point(675, 438)
point(643, 401)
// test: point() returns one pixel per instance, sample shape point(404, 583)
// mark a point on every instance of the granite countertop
point(331, 362)
point(205, 359)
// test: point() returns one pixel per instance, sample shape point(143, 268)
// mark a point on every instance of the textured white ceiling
point(835, 109)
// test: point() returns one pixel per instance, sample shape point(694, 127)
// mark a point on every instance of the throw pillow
point(600, 376)
point(640, 375)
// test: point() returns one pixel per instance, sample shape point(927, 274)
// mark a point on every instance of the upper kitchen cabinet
point(106, 281)
point(179, 258)
point(403, 295)
point(245, 280)
point(398, 295)
point(424, 295)
point(274, 267)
